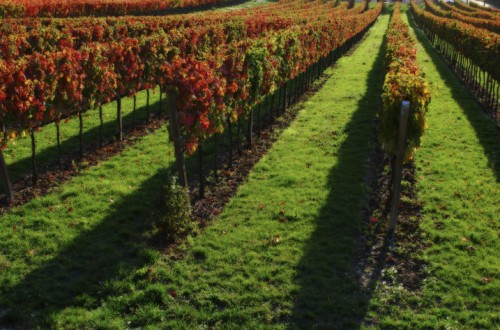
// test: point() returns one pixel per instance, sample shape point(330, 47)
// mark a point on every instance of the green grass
point(458, 171)
point(246, 5)
point(77, 258)
point(18, 153)
point(63, 248)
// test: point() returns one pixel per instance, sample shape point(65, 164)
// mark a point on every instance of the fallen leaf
point(173, 294)
point(464, 239)
point(31, 252)
point(282, 219)
point(487, 280)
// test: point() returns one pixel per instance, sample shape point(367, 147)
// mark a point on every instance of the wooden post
point(238, 135)
point(119, 117)
point(398, 166)
point(216, 153)
point(250, 129)
point(147, 106)
point(100, 126)
point(259, 119)
point(176, 135)
point(134, 112)
point(283, 106)
point(161, 103)
point(58, 138)
point(271, 109)
point(201, 172)
point(33, 157)
point(230, 131)
point(5, 177)
point(80, 120)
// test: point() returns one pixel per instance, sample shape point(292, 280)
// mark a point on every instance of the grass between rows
point(280, 254)
point(18, 153)
point(458, 172)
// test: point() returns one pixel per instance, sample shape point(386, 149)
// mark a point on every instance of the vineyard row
point(472, 51)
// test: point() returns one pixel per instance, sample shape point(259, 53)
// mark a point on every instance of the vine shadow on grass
point(331, 295)
point(486, 129)
point(105, 254)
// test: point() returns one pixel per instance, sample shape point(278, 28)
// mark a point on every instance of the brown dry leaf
point(487, 280)
point(464, 239)
point(31, 252)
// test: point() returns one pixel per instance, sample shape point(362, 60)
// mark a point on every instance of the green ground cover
point(458, 172)
point(18, 153)
point(280, 254)
point(283, 253)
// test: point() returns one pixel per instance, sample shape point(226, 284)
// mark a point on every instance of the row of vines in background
point(471, 51)
point(75, 8)
point(21, 37)
point(482, 8)
point(81, 75)
point(404, 81)
point(492, 25)
point(468, 9)
point(465, 10)
point(218, 78)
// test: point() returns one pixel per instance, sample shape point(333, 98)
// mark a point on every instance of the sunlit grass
point(279, 255)
point(458, 172)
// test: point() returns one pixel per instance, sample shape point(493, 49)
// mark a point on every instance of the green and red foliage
point(74, 8)
point(404, 81)
point(220, 72)
point(482, 8)
point(479, 45)
point(492, 25)
point(466, 10)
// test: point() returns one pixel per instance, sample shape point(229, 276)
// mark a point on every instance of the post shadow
point(486, 129)
point(331, 295)
point(111, 250)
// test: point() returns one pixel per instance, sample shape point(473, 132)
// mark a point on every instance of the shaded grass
point(70, 246)
point(457, 172)
point(76, 258)
point(257, 265)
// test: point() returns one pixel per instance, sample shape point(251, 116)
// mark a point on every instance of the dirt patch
point(397, 261)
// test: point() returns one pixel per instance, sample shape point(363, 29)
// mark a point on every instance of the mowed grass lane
point(281, 253)
point(458, 173)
